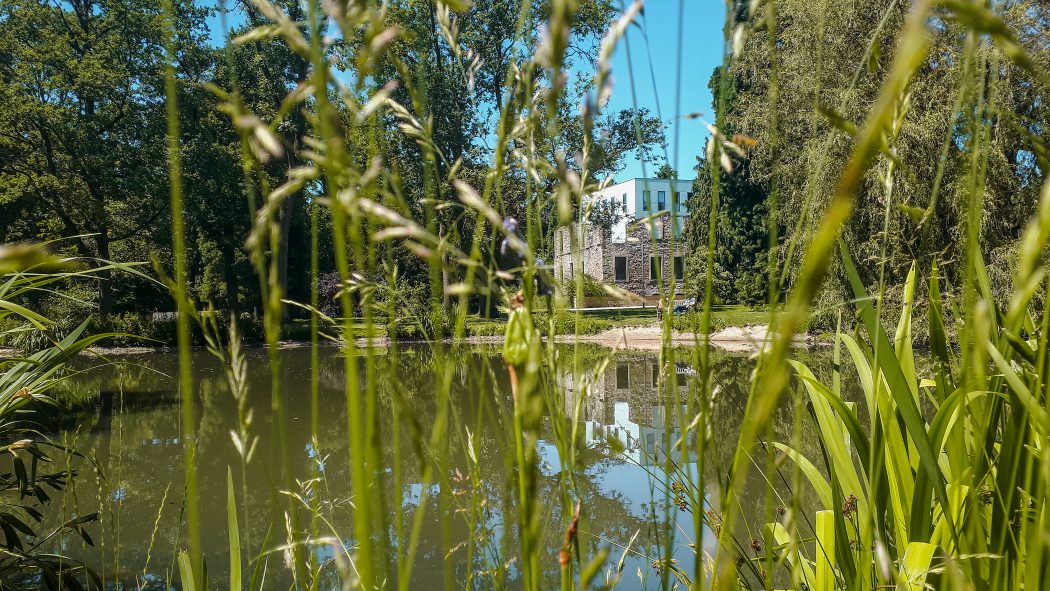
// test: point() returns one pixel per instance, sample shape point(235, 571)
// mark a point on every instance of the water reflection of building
point(627, 402)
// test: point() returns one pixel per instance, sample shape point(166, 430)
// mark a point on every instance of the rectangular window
point(624, 203)
point(571, 274)
point(623, 377)
point(689, 197)
point(656, 374)
point(620, 264)
point(661, 200)
point(680, 206)
point(654, 268)
point(679, 269)
point(646, 200)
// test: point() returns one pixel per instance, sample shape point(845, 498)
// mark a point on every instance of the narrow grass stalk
point(187, 393)
point(772, 379)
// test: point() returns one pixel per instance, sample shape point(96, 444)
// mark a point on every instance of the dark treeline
point(83, 158)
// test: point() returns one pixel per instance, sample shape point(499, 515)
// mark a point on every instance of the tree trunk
point(285, 228)
point(445, 282)
point(302, 126)
point(105, 286)
point(229, 262)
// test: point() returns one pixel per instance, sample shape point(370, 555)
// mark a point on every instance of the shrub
point(567, 323)
point(27, 456)
point(143, 329)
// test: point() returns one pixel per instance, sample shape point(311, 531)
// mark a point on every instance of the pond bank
point(740, 339)
point(733, 339)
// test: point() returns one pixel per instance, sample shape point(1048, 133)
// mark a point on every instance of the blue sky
point(701, 53)
point(654, 58)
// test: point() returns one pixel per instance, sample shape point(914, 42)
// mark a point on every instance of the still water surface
point(130, 422)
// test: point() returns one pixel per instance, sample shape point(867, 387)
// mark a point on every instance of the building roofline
point(643, 179)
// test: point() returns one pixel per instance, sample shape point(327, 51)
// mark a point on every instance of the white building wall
point(596, 251)
point(633, 193)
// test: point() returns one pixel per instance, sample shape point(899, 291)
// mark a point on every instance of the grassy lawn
point(725, 316)
point(721, 317)
point(596, 321)
point(591, 322)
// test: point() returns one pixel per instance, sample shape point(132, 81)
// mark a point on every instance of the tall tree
point(82, 119)
point(267, 71)
point(832, 58)
point(458, 64)
point(217, 211)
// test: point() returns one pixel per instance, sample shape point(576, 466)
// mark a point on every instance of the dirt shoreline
point(733, 339)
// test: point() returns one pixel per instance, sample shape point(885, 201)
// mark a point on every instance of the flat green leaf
point(235, 537)
point(816, 479)
point(833, 437)
point(916, 565)
point(186, 577)
point(903, 337)
point(38, 321)
point(1039, 418)
point(938, 337)
point(778, 537)
point(905, 402)
point(849, 420)
point(825, 558)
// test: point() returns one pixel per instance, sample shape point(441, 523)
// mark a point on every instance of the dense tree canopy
point(830, 60)
point(81, 108)
point(83, 152)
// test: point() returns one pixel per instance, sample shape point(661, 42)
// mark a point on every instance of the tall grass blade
point(234, 533)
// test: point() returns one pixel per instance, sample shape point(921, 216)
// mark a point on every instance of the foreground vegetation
point(937, 476)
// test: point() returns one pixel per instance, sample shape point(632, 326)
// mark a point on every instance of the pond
point(127, 418)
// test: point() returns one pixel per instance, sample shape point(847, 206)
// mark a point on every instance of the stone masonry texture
point(598, 253)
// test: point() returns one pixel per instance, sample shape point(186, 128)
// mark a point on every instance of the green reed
point(905, 498)
point(186, 390)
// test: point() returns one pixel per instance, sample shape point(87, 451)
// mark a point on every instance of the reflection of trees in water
point(133, 428)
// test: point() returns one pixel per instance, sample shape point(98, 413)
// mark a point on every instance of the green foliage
point(605, 214)
point(567, 323)
point(666, 171)
point(830, 62)
point(88, 160)
point(883, 141)
point(877, 454)
point(742, 238)
point(591, 287)
point(90, 163)
point(133, 329)
point(30, 474)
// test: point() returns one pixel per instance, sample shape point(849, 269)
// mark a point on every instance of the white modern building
point(642, 197)
point(642, 248)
